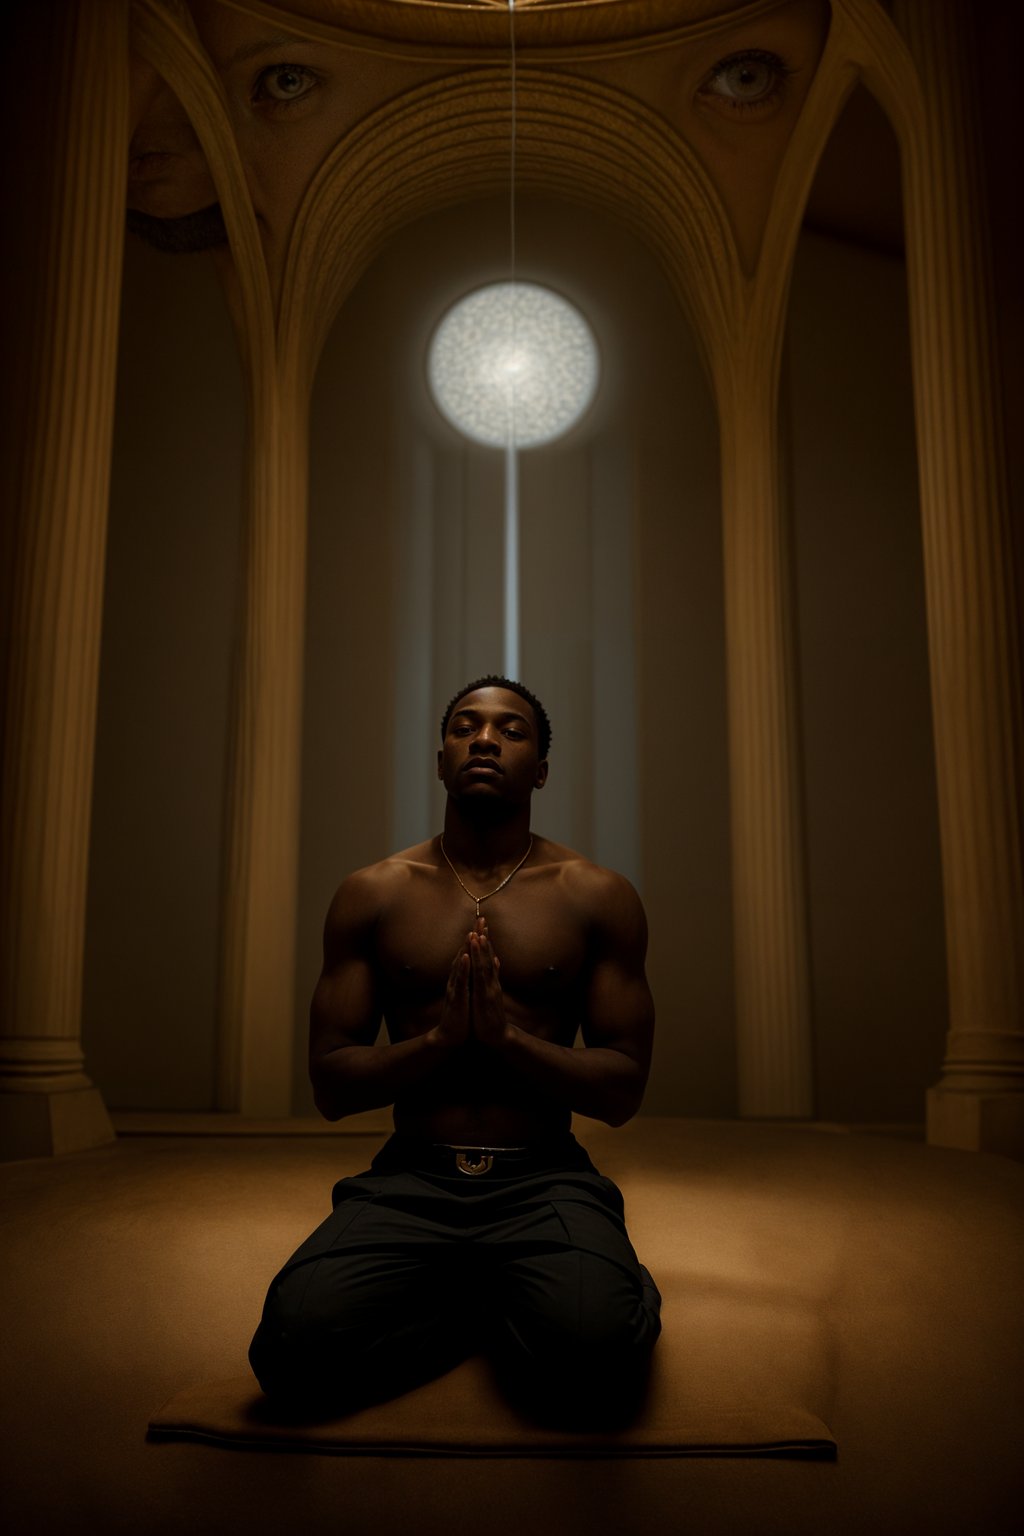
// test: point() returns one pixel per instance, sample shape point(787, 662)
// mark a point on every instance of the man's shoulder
point(365, 890)
point(589, 883)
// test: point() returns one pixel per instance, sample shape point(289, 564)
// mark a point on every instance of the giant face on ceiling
point(730, 81)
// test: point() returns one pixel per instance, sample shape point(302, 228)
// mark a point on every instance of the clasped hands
point(474, 1006)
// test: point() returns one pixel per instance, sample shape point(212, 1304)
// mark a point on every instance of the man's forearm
point(598, 1082)
point(358, 1077)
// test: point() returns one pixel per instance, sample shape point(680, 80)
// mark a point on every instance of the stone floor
point(896, 1270)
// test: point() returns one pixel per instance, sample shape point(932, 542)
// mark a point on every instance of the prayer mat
point(463, 1414)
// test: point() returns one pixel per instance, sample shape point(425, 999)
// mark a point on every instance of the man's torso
point(539, 928)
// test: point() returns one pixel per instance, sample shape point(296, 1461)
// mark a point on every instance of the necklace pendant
point(487, 894)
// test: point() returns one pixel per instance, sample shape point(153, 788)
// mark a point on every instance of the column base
point(50, 1124)
point(976, 1121)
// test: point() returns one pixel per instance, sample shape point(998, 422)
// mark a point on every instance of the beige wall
point(386, 474)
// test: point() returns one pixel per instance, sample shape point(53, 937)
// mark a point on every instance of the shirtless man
point(482, 1224)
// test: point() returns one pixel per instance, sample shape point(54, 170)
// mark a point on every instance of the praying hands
point(474, 1006)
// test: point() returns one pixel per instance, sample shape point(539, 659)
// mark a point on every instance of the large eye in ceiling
point(751, 79)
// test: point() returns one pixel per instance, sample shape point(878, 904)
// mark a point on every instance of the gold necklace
point(497, 888)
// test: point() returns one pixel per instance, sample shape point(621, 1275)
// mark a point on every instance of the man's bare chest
point(541, 943)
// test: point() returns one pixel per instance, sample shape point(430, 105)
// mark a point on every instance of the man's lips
point(482, 765)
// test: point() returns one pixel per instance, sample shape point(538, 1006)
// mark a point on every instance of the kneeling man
point(481, 1224)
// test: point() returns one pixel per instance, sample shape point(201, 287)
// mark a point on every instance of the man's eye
point(754, 78)
point(281, 84)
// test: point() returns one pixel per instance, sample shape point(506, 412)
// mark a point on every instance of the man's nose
point(485, 740)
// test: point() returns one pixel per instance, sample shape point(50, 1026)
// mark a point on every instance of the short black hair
point(540, 714)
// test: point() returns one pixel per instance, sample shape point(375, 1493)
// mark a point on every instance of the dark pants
point(420, 1265)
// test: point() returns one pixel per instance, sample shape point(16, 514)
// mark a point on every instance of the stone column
point(261, 876)
point(63, 375)
point(770, 939)
point(979, 1101)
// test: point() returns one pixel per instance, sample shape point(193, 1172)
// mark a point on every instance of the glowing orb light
point(513, 365)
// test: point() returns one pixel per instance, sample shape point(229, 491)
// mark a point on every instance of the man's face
point(490, 749)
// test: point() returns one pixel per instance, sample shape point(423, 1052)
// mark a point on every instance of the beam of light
point(512, 366)
point(510, 665)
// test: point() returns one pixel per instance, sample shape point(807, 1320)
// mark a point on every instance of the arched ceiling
point(719, 86)
point(484, 23)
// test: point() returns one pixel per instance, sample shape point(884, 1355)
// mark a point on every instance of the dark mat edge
point(824, 1449)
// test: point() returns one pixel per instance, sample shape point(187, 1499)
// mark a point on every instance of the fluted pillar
point(979, 1101)
point(261, 875)
point(770, 939)
point(64, 383)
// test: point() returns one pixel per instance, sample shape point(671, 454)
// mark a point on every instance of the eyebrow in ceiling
point(262, 45)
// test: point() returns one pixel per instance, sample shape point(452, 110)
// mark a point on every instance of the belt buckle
point(474, 1161)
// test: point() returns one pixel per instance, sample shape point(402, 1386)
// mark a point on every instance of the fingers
point(454, 1023)
point(487, 1002)
point(460, 969)
point(484, 961)
point(458, 980)
point(462, 964)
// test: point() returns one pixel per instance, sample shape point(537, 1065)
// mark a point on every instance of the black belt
point(473, 1160)
point(476, 1160)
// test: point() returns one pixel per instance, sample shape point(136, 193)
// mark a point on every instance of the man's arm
point(606, 1081)
point(348, 1071)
